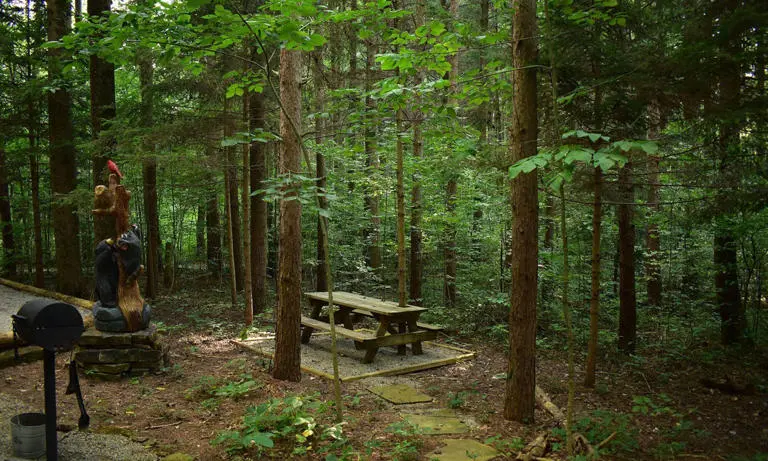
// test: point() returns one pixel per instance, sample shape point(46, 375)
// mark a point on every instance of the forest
point(573, 189)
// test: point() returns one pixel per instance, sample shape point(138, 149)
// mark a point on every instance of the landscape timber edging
point(6, 337)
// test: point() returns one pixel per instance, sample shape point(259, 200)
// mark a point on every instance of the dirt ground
point(648, 408)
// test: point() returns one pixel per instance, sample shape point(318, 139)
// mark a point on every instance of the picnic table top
point(356, 301)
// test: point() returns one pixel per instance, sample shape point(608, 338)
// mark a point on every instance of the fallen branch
point(543, 399)
point(160, 426)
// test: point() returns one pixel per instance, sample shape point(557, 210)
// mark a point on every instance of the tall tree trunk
point(401, 288)
point(246, 166)
point(200, 231)
point(34, 169)
point(103, 109)
point(372, 167)
point(451, 187)
point(594, 301)
point(213, 235)
point(416, 263)
point(230, 174)
point(288, 329)
point(259, 212)
point(317, 70)
point(63, 159)
point(519, 398)
point(732, 315)
point(627, 295)
point(149, 177)
point(653, 241)
point(230, 238)
point(8, 268)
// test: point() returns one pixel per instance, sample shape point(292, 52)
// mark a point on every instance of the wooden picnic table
point(398, 326)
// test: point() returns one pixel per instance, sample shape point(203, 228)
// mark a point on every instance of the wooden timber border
point(6, 337)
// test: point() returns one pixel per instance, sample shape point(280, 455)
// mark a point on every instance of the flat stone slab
point(463, 450)
point(149, 356)
point(400, 394)
point(93, 337)
point(436, 422)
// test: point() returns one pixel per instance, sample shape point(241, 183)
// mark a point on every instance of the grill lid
point(49, 324)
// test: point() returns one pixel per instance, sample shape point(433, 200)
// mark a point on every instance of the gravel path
point(11, 301)
point(75, 445)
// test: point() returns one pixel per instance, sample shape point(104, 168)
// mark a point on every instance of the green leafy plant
point(290, 419)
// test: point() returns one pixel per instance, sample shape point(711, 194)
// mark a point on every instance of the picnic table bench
point(398, 326)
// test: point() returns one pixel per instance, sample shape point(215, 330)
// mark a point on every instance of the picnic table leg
point(370, 353)
point(416, 345)
point(401, 349)
point(307, 331)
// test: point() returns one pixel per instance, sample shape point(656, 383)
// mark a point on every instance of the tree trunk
point(451, 187)
point(213, 237)
point(653, 241)
point(449, 252)
point(200, 232)
point(230, 239)
point(149, 177)
point(732, 315)
point(401, 288)
point(627, 295)
point(288, 329)
point(246, 166)
point(317, 68)
point(63, 159)
point(416, 263)
point(371, 199)
point(230, 173)
point(34, 169)
point(8, 268)
point(594, 301)
point(519, 400)
point(102, 79)
point(259, 212)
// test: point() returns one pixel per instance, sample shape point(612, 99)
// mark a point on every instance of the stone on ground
point(463, 450)
point(436, 422)
point(400, 394)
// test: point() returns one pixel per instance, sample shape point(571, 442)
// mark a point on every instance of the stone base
point(110, 318)
point(111, 356)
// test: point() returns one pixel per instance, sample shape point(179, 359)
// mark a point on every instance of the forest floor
point(652, 406)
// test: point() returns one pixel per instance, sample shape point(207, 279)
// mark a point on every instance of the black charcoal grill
point(55, 326)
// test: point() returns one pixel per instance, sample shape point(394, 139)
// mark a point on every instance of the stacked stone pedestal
point(112, 356)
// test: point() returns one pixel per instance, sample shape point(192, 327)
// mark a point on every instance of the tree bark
point(259, 212)
point(627, 295)
point(103, 110)
point(317, 68)
point(733, 320)
point(401, 288)
point(8, 268)
point(451, 187)
point(63, 159)
point(231, 189)
point(594, 301)
point(373, 255)
point(519, 400)
point(653, 240)
point(288, 329)
point(246, 166)
point(213, 235)
point(149, 178)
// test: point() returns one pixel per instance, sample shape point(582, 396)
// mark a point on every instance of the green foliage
point(213, 389)
point(291, 419)
point(598, 426)
point(507, 447)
